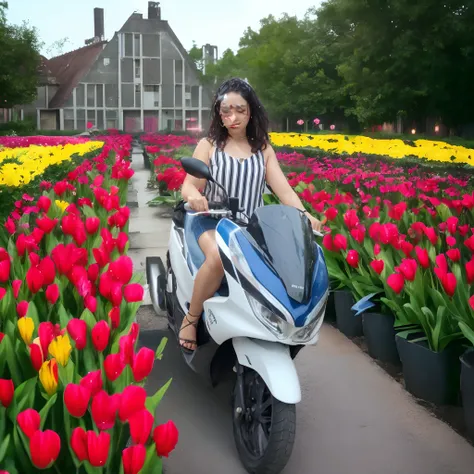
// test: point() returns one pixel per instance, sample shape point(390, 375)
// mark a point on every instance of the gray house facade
point(141, 80)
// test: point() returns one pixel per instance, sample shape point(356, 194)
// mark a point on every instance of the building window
point(137, 69)
point(90, 95)
point(106, 61)
point(137, 45)
point(151, 96)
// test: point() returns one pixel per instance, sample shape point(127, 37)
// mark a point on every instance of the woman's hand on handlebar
point(198, 204)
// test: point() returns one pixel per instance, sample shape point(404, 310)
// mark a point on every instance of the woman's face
point(234, 111)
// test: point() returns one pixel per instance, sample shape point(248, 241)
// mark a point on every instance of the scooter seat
point(195, 255)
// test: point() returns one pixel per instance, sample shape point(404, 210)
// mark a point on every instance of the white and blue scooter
point(270, 305)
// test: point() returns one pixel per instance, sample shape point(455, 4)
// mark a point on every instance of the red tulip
point(46, 333)
point(396, 282)
point(121, 269)
point(52, 293)
point(16, 285)
point(377, 266)
point(141, 423)
point(46, 224)
point(7, 390)
point(77, 329)
point(121, 241)
point(377, 249)
point(339, 242)
point(449, 283)
point(133, 293)
point(44, 203)
point(90, 302)
point(104, 410)
point(5, 265)
point(451, 241)
point(36, 356)
point(471, 302)
point(406, 248)
point(431, 234)
point(93, 381)
point(132, 400)
point(470, 271)
point(100, 335)
point(331, 213)
point(79, 444)
point(133, 459)
point(452, 224)
point(44, 448)
point(328, 243)
point(143, 364)
point(1, 336)
point(350, 219)
point(98, 448)
point(22, 308)
point(353, 258)
point(92, 224)
point(166, 438)
point(76, 399)
point(407, 268)
point(127, 349)
point(93, 272)
point(29, 421)
point(113, 366)
point(102, 257)
point(423, 258)
point(454, 255)
point(396, 212)
point(114, 315)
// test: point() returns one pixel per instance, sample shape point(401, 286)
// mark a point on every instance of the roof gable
point(69, 68)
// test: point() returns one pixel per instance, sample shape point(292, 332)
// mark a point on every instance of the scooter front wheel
point(264, 429)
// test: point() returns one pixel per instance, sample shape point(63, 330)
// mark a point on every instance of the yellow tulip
point(48, 375)
point(26, 326)
point(32, 161)
point(62, 204)
point(60, 348)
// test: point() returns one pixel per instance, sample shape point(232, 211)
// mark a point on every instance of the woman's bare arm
point(192, 185)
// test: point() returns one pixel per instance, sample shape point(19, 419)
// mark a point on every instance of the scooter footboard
point(273, 362)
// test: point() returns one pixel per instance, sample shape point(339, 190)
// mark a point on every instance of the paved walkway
point(354, 418)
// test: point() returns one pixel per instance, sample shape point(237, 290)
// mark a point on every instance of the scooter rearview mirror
point(196, 168)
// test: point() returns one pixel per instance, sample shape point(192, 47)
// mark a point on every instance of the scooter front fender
point(273, 362)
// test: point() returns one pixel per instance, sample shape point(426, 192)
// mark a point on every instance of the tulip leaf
point(45, 410)
point(153, 463)
point(20, 452)
point(63, 316)
point(66, 374)
point(51, 242)
point(15, 371)
point(152, 402)
point(161, 348)
point(67, 428)
point(33, 313)
point(4, 446)
point(89, 318)
point(467, 332)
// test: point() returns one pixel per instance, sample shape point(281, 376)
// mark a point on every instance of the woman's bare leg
point(207, 282)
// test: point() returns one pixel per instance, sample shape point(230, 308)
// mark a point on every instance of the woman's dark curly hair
point(257, 128)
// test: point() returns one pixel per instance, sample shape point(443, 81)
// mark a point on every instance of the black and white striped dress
point(244, 179)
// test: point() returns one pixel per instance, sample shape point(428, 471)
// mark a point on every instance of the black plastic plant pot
point(347, 322)
point(430, 376)
point(146, 160)
point(379, 333)
point(330, 314)
point(467, 390)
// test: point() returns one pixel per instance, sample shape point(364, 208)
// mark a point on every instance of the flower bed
point(72, 394)
point(335, 144)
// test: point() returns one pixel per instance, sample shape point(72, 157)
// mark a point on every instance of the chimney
point(99, 23)
point(154, 11)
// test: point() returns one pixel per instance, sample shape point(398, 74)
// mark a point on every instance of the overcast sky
point(217, 22)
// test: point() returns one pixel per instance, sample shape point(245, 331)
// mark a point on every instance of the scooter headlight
point(268, 318)
point(315, 320)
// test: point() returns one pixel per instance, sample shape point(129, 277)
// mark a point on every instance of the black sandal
point(188, 341)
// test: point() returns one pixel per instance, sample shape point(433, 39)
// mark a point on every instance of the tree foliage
point(362, 60)
point(19, 62)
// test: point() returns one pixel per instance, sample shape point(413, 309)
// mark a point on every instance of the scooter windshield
point(285, 238)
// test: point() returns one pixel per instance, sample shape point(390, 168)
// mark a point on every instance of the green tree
point(195, 53)
point(19, 59)
point(402, 57)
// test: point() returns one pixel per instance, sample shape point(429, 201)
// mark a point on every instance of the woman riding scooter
point(240, 157)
